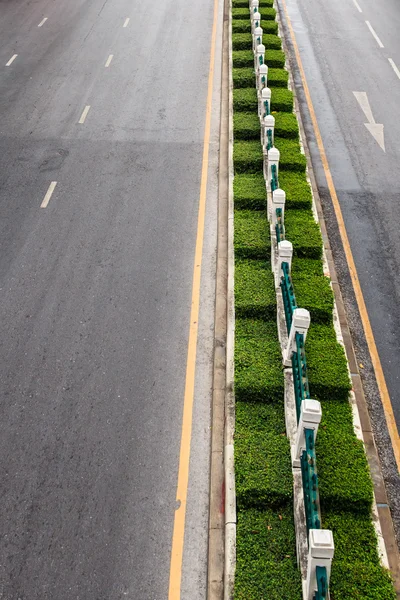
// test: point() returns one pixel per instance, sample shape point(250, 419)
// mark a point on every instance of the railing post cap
point(263, 69)
point(255, 2)
point(266, 93)
point(258, 31)
point(269, 121)
point(284, 246)
point(301, 317)
point(256, 16)
point(278, 195)
point(311, 411)
point(273, 154)
point(321, 543)
point(260, 49)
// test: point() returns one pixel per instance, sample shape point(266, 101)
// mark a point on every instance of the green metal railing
point(322, 584)
point(274, 178)
point(270, 143)
point(300, 379)
point(289, 299)
point(279, 227)
point(266, 108)
point(310, 482)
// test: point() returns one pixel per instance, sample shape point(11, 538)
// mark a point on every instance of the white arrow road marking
point(375, 129)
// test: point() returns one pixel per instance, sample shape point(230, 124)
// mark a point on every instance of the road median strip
point(266, 565)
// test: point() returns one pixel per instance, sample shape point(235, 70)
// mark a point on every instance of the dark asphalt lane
point(340, 56)
point(95, 295)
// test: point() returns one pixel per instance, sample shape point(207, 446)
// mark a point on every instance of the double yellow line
point(178, 535)
point(376, 362)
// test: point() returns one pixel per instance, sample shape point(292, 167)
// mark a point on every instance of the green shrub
point(246, 126)
point(242, 41)
point(266, 566)
point(258, 362)
point(249, 192)
point(272, 42)
point(281, 100)
point(243, 78)
point(245, 4)
point(326, 365)
point(262, 469)
point(247, 156)
point(241, 13)
point(255, 295)
point(243, 25)
point(245, 100)
point(304, 233)
point(306, 267)
point(267, 418)
point(251, 235)
point(297, 188)
point(291, 159)
point(275, 59)
point(344, 480)
point(356, 570)
point(286, 125)
point(315, 294)
point(242, 58)
point(267, 13)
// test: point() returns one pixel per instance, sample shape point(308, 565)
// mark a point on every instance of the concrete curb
point(230, 492)
point(381, 518)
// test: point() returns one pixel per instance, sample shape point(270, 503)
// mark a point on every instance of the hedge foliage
point(255, 295)
point(258, 363)
point(266, 560)
point(266, 566)
point(251, 236)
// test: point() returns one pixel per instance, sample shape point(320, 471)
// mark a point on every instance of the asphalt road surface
point(350, 52)
point(95, 294)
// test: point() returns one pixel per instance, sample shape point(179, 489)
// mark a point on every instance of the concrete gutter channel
point(222, 516)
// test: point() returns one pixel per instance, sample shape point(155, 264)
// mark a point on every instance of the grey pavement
point(95, 295)
point(340, 56)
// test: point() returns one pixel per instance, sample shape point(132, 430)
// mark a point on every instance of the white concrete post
point(262, 77)
point(300, 324)
point(259, 56)
point(264, 97)
point(310, 418)
point(285, 254)
point(273, 159)
point(255, 20)
point(320, 554)
point(254, 4)
point(269, 123)
point(257, 37)
point(278, 201)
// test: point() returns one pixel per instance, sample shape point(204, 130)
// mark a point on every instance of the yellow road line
point(175, 574)
point(380, 378)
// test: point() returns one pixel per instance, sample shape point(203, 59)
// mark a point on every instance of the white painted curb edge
point(229, 462)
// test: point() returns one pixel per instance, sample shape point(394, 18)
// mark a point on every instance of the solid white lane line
point(126, 22)
point(394, 67)
point(374, 34)
point(84, 114)
point(358, 7)
point(42, 22)
point(11, 60)
point(49, 194)
point(109, 59)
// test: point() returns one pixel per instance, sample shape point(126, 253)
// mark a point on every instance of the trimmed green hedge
point(274, 58)
point(245, 77)
point(267, 13)
point(246, 126)
point(244, 41)
point(247, 156)
point(251, 235)
point(255, 295)
point(242, 58)
point(243, 25)
point(246, 100)
point(315, 294)
point(344, 480)
point(268, 418)
point(245, 4)
point(281, 100)
point(249, 191)
point(258, 362)
point(263, 471)
point(266, 566)
point(304, 233)
point(286, 125)
point(306, 267)
point(291, 159)
point(326, 365)
point(298, 191)
point(356, 570)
